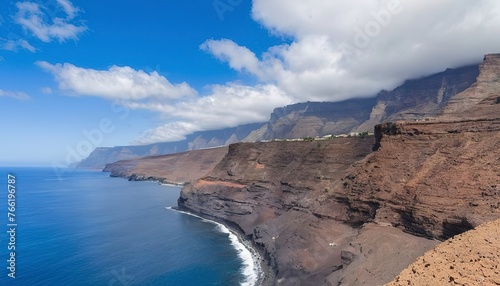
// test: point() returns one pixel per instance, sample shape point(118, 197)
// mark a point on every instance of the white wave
point(251, 268)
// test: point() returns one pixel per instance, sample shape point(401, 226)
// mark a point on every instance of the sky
point(75, 75)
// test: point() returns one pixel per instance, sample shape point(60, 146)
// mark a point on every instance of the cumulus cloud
point(14, 94)
point(227, 105)
point(334, 50)
point(11, 45)
point(239, 58)
point(345, 49)
point(122, 83)
point(33, 18)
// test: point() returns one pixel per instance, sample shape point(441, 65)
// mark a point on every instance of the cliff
point(199, 140)
point(178, 168)
point(320, 211)
point(281, 195)
point(414, 99)
point(327, 212)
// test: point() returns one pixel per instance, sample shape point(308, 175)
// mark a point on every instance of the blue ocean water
point(90, 229)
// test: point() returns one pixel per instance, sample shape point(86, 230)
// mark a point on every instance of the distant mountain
point(420, 98)
point(199, 140)
point(414, 99)
point(311, 119)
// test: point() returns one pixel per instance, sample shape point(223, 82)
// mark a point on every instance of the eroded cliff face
point(321, 211)
point(177, 168)
point(435, 179)
point(284, 196)
point(328, 212)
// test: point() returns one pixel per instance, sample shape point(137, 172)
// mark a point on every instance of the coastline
point(264, 274)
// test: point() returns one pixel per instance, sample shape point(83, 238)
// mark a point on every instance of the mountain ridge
point(414, 99)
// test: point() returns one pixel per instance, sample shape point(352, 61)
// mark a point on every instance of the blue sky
point(137, 72)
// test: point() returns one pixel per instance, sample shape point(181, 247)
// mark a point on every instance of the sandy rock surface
point(471, 258)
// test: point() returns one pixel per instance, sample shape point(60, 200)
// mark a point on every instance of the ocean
point(86, 228)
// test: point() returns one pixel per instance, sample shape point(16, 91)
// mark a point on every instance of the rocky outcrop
point(176, 169)
point(471, 258)
point(434, 179)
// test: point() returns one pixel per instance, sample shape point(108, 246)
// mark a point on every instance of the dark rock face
point(420, 98)
point(414, 99)
point(433, 176)
point(311, 119)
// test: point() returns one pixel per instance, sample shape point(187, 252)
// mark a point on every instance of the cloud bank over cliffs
point(331, 51)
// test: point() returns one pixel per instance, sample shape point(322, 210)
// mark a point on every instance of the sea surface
point(85, 228)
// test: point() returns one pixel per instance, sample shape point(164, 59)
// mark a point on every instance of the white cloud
point(123, 83)
point(222, 106)
point(226, 106)
point(336, 50)
point(32, 18)
point(68, 7)
point(14, 94)
point(11, 45)
point(345, 49)
point(239, 58)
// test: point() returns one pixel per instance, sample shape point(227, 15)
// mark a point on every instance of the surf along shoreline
point(263, 273)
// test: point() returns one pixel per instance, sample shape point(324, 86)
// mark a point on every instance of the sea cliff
point(357, 211)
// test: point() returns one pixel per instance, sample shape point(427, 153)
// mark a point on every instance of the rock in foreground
point(471, 258)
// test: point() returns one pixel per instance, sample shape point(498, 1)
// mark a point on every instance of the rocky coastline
point(328, 212)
